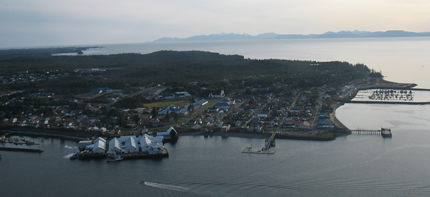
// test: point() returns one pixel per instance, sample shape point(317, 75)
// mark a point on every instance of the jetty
point(267, 149)
point(384, 132)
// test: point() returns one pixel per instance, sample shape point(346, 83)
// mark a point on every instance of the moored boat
point(74, 156)
point(114, 158)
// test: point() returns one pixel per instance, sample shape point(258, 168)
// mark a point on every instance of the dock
point(267, 149)
point(384, 132)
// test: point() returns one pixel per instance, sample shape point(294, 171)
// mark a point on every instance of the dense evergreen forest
point(173, 66)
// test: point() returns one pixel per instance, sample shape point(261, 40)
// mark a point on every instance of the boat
point(114, 158)
point(74, 156)
point(142, 182)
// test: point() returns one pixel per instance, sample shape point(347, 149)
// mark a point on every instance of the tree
point(154, 112)
point(175, 116)
point(167, 117)
point(136, 118)
point(191, 108)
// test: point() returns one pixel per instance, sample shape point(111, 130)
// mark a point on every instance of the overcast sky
point(29, 23)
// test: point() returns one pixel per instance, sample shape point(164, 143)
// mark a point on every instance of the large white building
point(99, 146)
point(132, 144)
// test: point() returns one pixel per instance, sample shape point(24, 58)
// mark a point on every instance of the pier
point(385, 132)
point(267, 149)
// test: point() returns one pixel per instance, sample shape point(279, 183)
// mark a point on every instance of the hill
point(271, 35)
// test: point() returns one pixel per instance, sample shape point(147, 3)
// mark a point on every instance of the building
point(99, 146)
point(169, 134)
point(220, 95)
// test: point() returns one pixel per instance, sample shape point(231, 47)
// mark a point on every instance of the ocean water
point(353, 165)
point(400, 59)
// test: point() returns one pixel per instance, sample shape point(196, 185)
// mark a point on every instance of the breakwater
point(21, 149)
point(389, 102)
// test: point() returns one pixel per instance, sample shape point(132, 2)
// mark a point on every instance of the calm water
point(399, 59)
point(354, 165)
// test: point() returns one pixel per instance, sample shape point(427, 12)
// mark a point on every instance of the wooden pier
point(384, 132)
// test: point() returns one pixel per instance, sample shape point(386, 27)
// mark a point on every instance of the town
point(295, 99)
point(250, 109)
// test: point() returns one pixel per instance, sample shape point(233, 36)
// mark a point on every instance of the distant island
point(271, 35)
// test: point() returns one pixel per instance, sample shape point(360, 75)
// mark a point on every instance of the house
point(166, 96)
point(225, 128)
point(220, 95)
point(201, 102)
point(169, 134)
point(116, 94)
point(263, 114)
point(222, 105)
point(305, 125)
point(73, 100)
point(100, 90)
point(229, 101)
point(182, 94)
point(196, 127)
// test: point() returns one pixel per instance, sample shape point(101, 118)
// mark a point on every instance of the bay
point(352, 165)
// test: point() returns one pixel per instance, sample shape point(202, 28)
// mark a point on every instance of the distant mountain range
point(271, 35)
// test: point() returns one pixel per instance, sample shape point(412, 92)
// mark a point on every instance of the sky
point(30, 23)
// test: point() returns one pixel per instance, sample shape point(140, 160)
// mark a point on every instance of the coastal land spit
point(197, 93)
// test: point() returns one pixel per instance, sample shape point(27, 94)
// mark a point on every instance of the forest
point(165, 66)
point(177, 68)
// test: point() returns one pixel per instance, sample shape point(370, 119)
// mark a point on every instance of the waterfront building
point(99, 146)
point(132, 144)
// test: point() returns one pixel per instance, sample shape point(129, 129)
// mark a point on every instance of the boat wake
point(68, 156)
point(165, 186)
point(70, 147)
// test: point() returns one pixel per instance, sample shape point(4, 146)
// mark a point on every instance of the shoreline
point(31, 132)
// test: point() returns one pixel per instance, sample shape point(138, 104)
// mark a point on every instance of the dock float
point(268, 151)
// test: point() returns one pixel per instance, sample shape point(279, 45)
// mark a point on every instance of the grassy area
point(167, 103)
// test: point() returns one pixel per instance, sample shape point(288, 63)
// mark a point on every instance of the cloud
point(67, 22)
